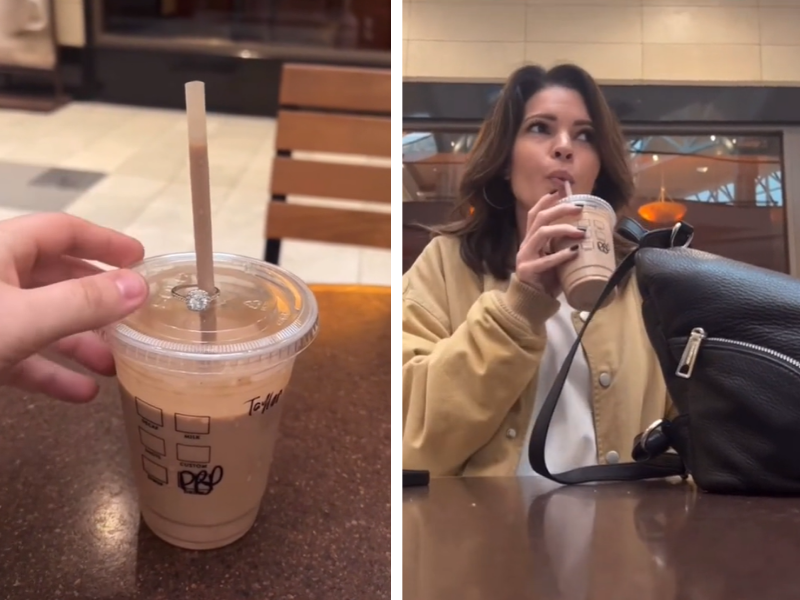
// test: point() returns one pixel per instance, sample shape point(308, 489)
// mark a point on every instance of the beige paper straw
point(567, 188)
point(201, 199)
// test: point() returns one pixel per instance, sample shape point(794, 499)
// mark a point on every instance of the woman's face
point(554, 144)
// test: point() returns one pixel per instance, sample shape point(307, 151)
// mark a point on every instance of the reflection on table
point(527, 539)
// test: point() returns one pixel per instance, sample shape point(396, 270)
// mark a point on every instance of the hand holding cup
point(547, 226)
point(54, 300)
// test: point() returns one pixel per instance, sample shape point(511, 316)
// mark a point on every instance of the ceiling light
point(664, 210)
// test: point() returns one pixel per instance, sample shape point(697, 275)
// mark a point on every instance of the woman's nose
point(562, 150)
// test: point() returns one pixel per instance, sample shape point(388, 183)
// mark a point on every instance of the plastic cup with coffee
point(202, 370)
point(584, 277)
point(202, 411)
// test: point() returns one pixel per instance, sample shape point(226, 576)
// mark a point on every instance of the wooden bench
point(338, 111)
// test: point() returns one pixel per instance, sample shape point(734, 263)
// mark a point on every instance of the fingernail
point(130, 285)
point(578, 204)
point(574, 248)
point(582, 228)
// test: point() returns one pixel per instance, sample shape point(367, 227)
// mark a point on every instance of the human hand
point(52, 299)
point(536, 265)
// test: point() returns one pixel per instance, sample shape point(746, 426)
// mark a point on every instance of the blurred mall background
point(92, 123)
point(707, 91)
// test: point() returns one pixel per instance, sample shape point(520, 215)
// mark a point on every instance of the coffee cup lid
point(260, 311)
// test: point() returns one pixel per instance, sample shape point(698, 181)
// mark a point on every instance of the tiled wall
point(618, 41)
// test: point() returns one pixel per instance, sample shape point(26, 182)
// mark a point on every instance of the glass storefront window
point(729, 187)
point(334, 24)
point(433, 163)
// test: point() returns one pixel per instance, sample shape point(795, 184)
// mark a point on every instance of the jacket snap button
point(584, 316)
point(605, 379)
point(612, 457)
point(511, 433)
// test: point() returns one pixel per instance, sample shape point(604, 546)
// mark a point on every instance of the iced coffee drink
point(584, 277)
point(202, 408)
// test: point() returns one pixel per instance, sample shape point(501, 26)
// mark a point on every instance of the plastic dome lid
point(260, 311)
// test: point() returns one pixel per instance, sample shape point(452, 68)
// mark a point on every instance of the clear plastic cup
point(584, 278)
point(202, 397)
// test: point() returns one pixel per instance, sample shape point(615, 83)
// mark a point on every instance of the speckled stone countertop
point(69, 522)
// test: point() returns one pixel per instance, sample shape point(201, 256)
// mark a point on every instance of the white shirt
point(571, 440)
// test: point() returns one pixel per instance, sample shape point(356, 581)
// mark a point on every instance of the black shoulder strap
point(631, 230)
point(665, 465)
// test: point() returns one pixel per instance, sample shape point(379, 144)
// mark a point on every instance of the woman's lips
point(561, 174)
point(558, 181)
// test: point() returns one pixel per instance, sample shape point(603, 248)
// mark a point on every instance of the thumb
point(55, 311)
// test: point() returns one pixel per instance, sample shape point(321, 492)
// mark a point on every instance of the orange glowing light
point(663, 210)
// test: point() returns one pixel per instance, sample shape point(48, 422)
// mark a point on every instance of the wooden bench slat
point(340, 134)
point(350, 89)
point(328, 225)
point(331, 180)
point(315, 94)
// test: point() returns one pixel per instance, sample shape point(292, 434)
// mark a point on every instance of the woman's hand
point(51, 298)
point(535, 262)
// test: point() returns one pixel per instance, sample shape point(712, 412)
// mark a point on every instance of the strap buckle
point(679, 230)
point(652, 442)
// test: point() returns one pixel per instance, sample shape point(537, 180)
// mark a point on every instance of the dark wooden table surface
point(69, 522)
point(510, 539)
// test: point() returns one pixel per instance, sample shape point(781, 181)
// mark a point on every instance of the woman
point(485, 326)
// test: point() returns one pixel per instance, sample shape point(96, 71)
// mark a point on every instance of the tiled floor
point(126, 168)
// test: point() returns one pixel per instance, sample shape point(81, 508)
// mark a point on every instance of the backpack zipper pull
point(689, 356)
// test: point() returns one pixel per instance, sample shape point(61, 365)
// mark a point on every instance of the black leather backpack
point(727, 337)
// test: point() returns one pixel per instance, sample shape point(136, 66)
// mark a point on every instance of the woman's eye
point(538, 128)
point(584, 136)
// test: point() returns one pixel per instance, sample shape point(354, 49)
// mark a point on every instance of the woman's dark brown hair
point(488, 234)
